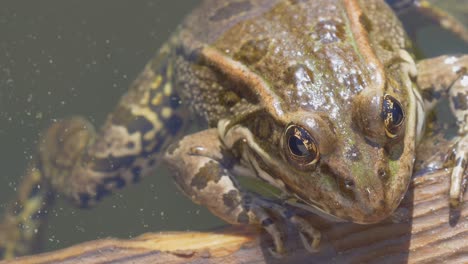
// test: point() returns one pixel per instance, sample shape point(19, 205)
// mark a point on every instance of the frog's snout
point(363, 197)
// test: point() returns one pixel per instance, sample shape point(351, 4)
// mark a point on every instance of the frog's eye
point(392, 115)
point(300, 146)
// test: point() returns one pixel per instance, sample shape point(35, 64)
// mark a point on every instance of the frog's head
point(358, 170)
point(356, 167)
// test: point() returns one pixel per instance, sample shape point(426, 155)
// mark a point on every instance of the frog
point(306, 104)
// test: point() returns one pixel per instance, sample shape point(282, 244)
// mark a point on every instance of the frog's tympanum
point(318, 102)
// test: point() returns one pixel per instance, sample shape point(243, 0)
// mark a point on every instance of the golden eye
point(301, 148)
point(392, 115)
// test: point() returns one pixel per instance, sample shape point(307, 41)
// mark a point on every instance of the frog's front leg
point(448, 75)
point(204, 170)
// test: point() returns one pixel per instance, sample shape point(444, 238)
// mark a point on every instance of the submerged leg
point(84, 166)
point(448, 76)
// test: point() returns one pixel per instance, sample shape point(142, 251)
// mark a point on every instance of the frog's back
point(295, 46)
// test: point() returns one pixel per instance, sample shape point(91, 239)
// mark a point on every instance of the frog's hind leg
point(430, 14)
point(448, 75)
point(204, 170)
point(84, 165)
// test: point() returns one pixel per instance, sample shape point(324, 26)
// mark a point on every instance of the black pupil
point(297, 147)
point(397, 114)
point(394, 109)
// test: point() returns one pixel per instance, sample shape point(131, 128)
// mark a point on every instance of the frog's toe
point(275, 252)
point(310, 236)
point(459, 174)
point(271, 227)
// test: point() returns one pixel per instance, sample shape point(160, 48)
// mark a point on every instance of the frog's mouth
point(315, 209)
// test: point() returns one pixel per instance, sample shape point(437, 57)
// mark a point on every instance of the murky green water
point(61, 58)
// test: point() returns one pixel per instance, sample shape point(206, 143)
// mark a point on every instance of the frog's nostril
point(383, 174)
point(347, 188)
point(346, 185)
point(349, 184)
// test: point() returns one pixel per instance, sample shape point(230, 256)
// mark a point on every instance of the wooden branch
point(424, 229)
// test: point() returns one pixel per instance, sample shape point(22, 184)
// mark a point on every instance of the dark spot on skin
point(136, 172)
point(267, 221)
point(123, 117)
point(353, 154)
point(431, 94)
point(229, 160)
point(460, 101)
point(34, 191)
point(84, 200)
point(192, 55)
point(243, 218)
point(107, 184)
point(111, 164)
point(386, 45)
point(330, 31)
point(139, 124)
point(366, 22)
point(231, 200)
point(153, 146)
point(174, 124)
point(211, 172)
point(252, 51)
point(228, 98)
point(101, 191)
point(174, 101)
point(230, 10)
point(130, 145)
